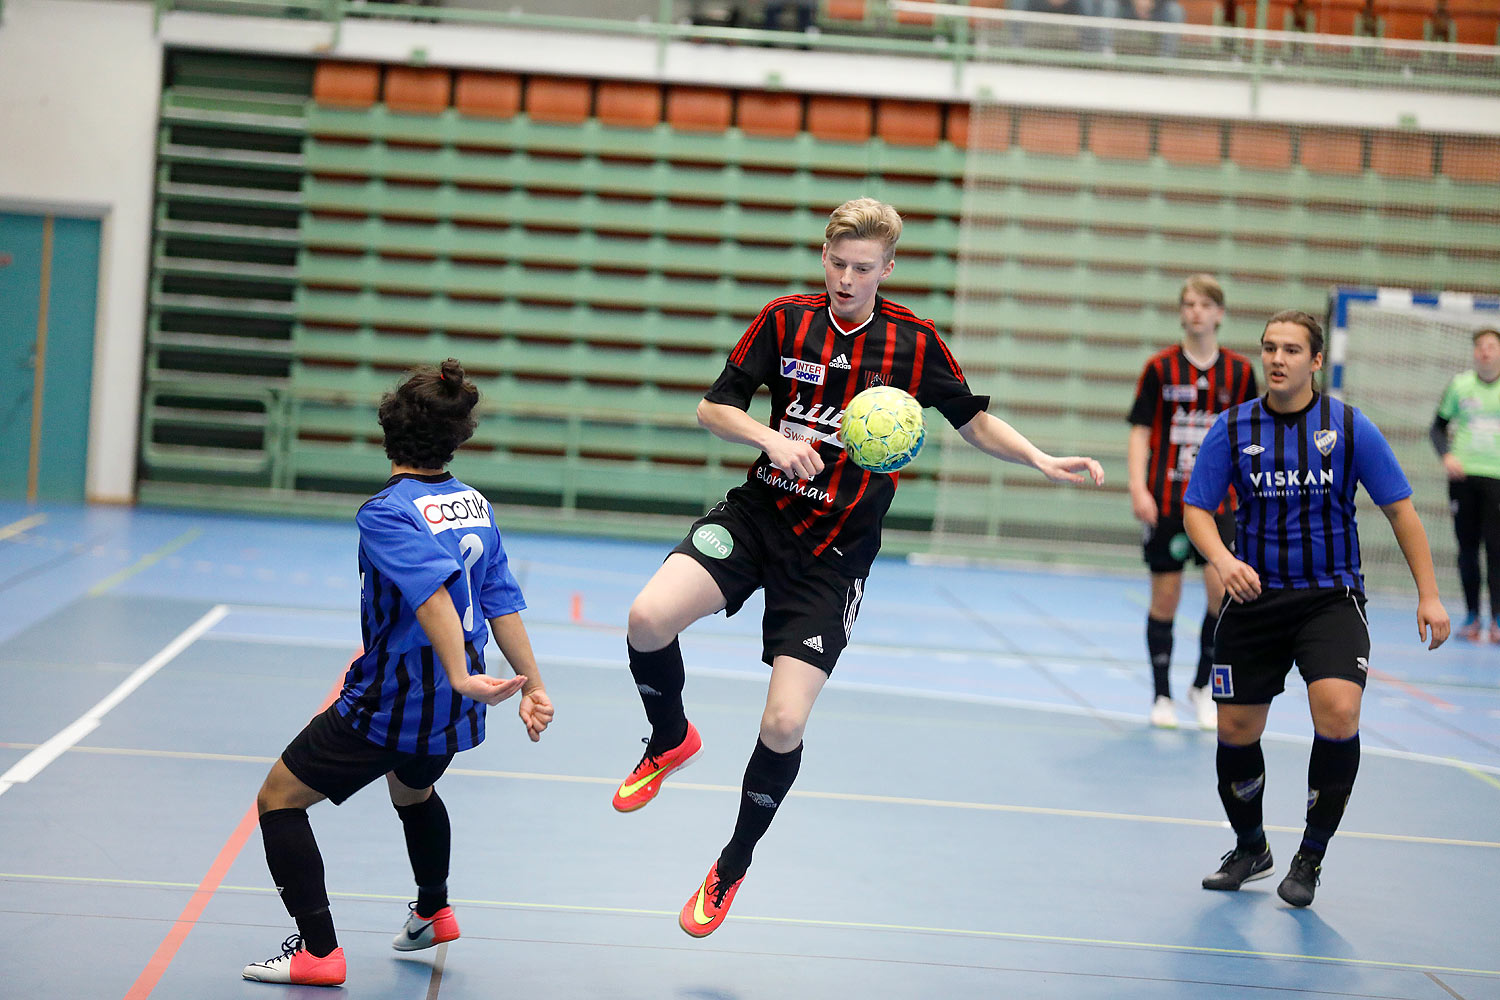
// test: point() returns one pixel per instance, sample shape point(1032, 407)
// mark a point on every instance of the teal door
point(49, 276)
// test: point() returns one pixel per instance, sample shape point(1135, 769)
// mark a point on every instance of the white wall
point(79, 84)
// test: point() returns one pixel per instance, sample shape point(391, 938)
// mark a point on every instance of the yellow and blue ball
point(882, 429)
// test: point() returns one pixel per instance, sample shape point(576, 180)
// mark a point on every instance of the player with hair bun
point(432, 572)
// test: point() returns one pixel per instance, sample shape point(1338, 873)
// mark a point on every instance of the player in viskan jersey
point(1466, 434)
point(805, 525)
point(1179, 392)
point(433, 573)
point(1294, 592)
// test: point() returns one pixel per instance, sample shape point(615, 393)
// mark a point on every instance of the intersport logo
point(445, 511)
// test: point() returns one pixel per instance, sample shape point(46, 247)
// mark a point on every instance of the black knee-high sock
point(297, 869)
point(1242, 784)
point(429, 843)
point(1330, 778)
point(659, 678)
point(768, 777)
point(1206, 650)
point(1159, 646)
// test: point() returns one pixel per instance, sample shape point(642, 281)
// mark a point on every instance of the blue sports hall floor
point(982, 810)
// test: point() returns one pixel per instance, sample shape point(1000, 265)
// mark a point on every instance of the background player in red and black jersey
point(1179, 392)
point(805, 526)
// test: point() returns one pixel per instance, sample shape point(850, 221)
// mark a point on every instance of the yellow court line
point(1487, 778)
point(22, 526)
point(831, 924)
point(145, 562)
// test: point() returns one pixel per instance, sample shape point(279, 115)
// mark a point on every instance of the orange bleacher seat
point(699, 109)
point(840, 119)
point(417, 90)
point(1327, 151)
point(1189, 143)
point(563, 100)
point(1112, 138)
point(914, 17)
point(1260, 147)
point(1476, 28)
point(1200, 11)
point(1466, 159)
point(346, 85)
point(487, 95)
point(1401, 155)
point(629, 105)
point(763, 113)
point(1056, 132)
point(1406, 23)
point(908, 123)
point(844, 10)
point(957, 126)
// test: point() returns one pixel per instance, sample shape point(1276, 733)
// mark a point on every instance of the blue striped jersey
point(420, 533)
point(1296, 474)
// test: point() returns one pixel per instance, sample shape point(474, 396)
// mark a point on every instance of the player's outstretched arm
point(535, 709)
point(797, 459)
point(439, 619)
point(1241, 581)
point(999, 439)
point(1432, 617)
point(1137, 456)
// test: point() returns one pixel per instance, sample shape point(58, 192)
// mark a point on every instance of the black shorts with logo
point(329, 757)
point(810, 605)
point(1323, 630)
point(1166, 547)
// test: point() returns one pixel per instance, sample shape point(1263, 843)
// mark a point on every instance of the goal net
point(1392, 353)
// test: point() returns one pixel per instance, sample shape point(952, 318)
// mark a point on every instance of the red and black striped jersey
point(813, 370)
point(1178, 401)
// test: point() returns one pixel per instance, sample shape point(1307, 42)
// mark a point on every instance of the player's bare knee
point(1337, 723)
point(781, 729)
point(647, 628)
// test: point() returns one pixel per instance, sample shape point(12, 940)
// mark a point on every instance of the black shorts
point(1166, 547)
point(1322, 630)
point(810, 605)
point(329, 757)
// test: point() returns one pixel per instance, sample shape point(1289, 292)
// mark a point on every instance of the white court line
point(29, 766)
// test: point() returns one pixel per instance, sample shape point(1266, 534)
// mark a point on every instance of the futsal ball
point(882, 429)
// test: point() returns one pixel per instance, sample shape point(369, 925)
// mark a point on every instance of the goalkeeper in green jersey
point(1466, 434)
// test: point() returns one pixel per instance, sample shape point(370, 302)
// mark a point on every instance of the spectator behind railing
point(1167, 11)
point(805, 10)
point(1041, 36)
point(1302, 18)
point(1367, 23)
point(1440, 26)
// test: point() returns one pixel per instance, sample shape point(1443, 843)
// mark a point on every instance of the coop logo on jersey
point(1179, 393)
point(803, 371)
point(445, 511)
point(1325, 440)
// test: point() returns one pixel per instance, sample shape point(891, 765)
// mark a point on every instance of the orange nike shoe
point(708, 907)
point(645, 781)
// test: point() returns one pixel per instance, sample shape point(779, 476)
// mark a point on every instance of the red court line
point(167, 950)
point(1410, 689)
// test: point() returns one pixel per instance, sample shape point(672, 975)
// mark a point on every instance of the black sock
point(1206, 650)
point(297, 869)
point(1242, 784)
point(768, 777)
point(1331, 768)
point(659, 678)
point(429, 842)
point(1159, 646)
